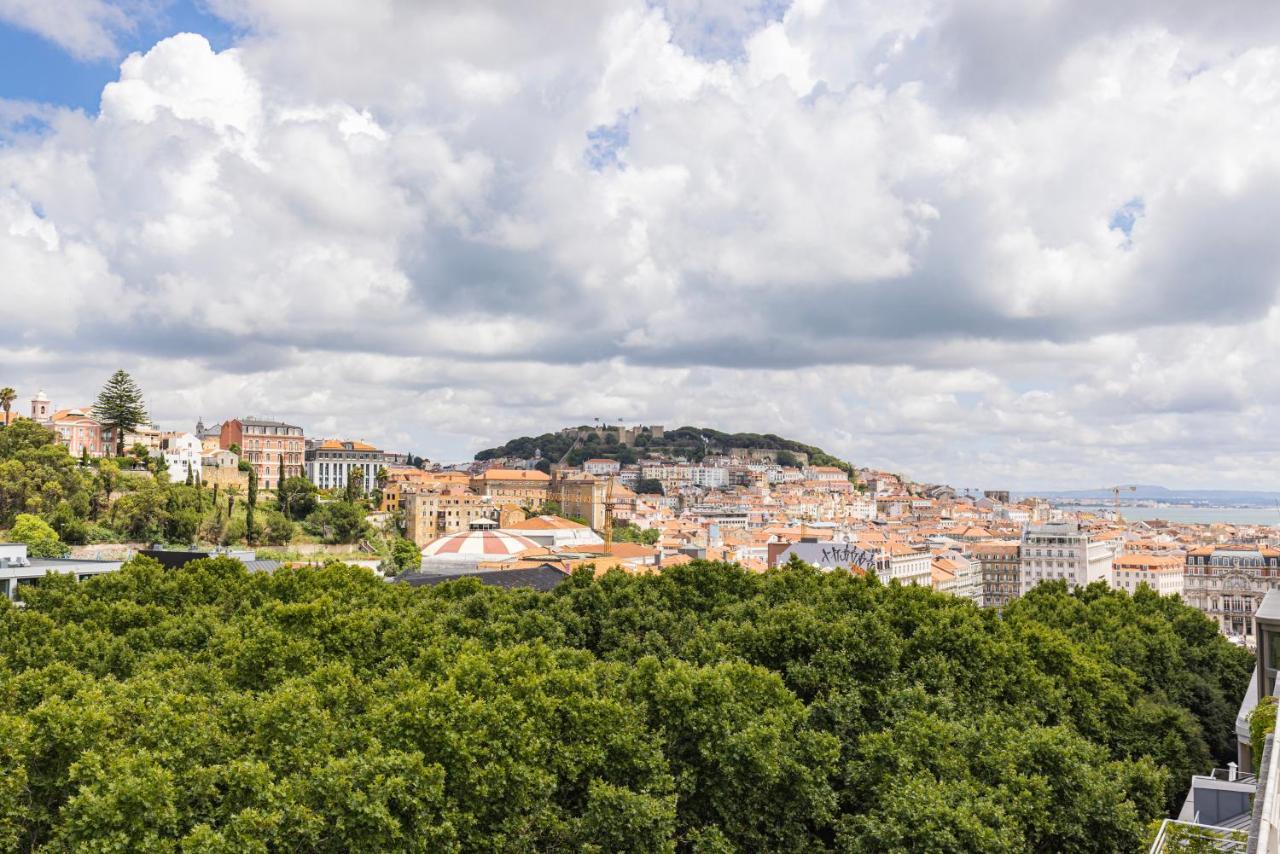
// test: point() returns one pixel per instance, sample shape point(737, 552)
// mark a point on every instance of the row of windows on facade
point(260, 430)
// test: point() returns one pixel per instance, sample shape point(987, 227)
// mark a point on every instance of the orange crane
point(608, 516)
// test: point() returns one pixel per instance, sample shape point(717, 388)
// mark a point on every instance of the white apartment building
point(859, 506)
point(1061, 551)
point(1162, 573)
point(709, 477)
point(182, 455)
point(330, 462)
point(900, 561)
point(602, 467)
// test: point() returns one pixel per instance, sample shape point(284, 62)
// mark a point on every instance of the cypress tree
point(250, 503)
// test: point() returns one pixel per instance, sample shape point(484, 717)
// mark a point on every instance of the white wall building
point(330, 462)
point(1061, 551)
point(17, 569)
point(602, 467)
point(1162, 573)
point(709, 477)
point(183, 454)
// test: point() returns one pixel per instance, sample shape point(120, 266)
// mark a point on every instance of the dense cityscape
point(653, 499)
point(654, 426)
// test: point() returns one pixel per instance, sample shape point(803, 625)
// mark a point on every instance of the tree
point(297, 497)
point(338, 522)
point(786, 459)
point(649, 486)
point(41, 540)
point(354, 489)
point(120, 407)
point(629, 533)
point(7, 397)
point(382, 478)
point(704, 708)
point(140, 453)
point(277, 530)
point(251, 502)
point(405, 556)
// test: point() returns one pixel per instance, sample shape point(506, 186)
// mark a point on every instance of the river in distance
point(1190, 514)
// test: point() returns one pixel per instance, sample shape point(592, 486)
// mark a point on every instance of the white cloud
point(87, 29)
point(835, 220)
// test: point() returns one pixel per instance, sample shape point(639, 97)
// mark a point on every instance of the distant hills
point(629, 445)
point(1163, 495)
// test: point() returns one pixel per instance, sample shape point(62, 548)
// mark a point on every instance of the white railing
point(1175, 835)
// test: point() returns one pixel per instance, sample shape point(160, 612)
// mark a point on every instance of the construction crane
point(608, 516)
point(1115, 493)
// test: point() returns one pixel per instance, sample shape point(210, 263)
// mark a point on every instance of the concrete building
point(582, 496)
point(1228, 583)
point(999, 571)
point(265, 445)
point(602, 467)
point(429, 515)
point(183, 455)
point(1063, 551)
point(18, 570)
point(527, 487)
point(709, 477)
point(1162, 573)
point(222, 468)
point(331, 463)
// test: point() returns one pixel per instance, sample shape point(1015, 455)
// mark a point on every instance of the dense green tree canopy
point(703, 709)
point(38, 535)
point(691, 443)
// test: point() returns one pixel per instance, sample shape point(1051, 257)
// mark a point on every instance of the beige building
point(428, 515)
point(222, 468)
point(999, 564)
point(1162, 573)
point(582, 496)
point(526, 487)
point(1228, 583)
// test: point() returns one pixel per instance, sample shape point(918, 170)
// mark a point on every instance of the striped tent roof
point(477, 545)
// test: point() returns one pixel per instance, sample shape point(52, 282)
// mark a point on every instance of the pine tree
point(120, 407)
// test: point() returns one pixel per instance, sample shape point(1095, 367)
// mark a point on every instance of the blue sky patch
point(35, 69)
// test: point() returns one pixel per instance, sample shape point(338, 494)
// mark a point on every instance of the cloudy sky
point(1000, 243)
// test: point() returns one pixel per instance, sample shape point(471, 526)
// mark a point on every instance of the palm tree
point(7, 397)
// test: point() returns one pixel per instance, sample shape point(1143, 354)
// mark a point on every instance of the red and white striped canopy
point(477, 545)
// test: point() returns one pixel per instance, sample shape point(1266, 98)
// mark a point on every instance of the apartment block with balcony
point(1063, 551)
point(999, 572)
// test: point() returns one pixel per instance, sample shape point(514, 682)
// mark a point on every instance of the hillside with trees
point(705, 709)
point(52, 501)
point(690, 443)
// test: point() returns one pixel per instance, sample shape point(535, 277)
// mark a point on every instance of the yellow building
point(528, 488)
point(428, 515)
point(582, 496)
